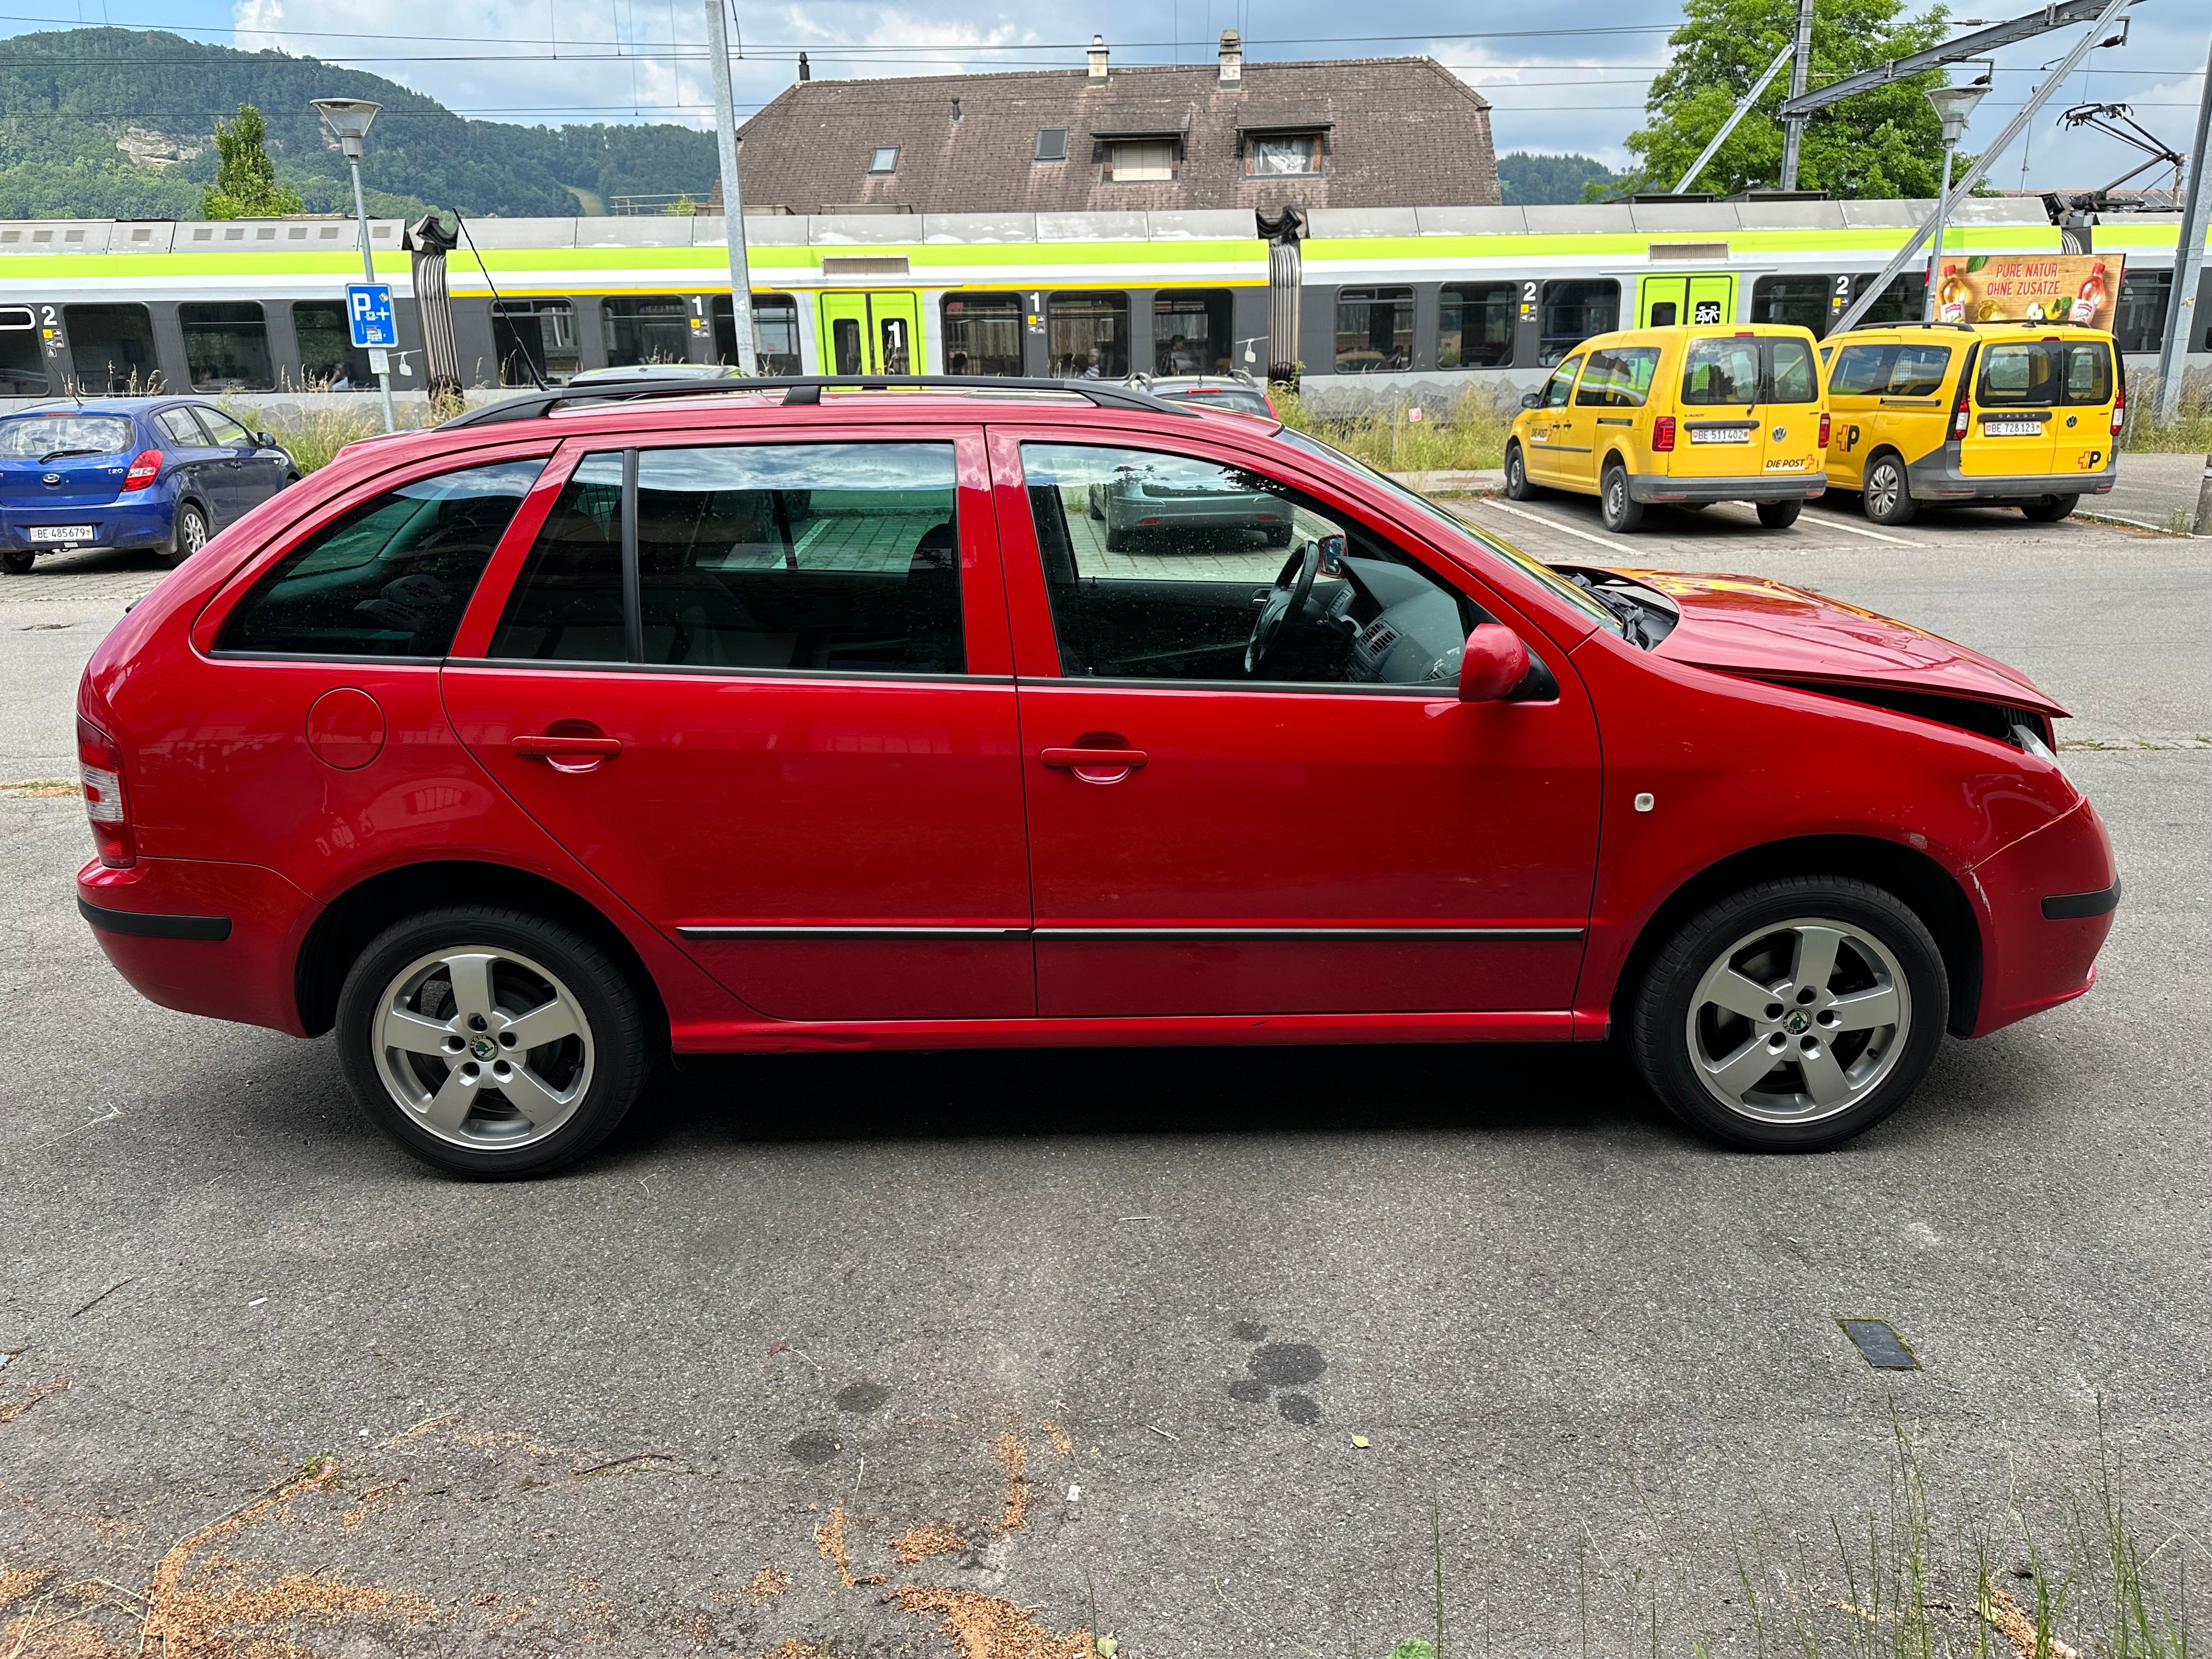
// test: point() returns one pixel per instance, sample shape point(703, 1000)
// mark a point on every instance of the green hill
point(77, 106)
point(1527, 179)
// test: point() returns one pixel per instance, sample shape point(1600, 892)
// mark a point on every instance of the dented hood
point(1769, 631)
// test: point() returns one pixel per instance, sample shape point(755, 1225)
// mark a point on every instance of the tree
point(1887, 142)
point(246, 185)
point(1526, 179)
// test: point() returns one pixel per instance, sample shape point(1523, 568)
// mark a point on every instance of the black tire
point(1117, 541)
point(187, 534)
point(1622, 512)
point(612, 1036)
point(1518, 486)
point(1887, 495)
point(17, 561)
point(1779, 516)
point(1661, 1035)
point(2048, 509)
point(1279, 535)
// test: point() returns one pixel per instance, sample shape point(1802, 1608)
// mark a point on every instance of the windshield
point(36, 435)
point(1558, 586)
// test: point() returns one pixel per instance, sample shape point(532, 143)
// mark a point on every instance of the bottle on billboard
point(2090, 298)
point(1951, 296)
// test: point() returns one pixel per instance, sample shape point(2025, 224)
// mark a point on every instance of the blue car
point(164, 473)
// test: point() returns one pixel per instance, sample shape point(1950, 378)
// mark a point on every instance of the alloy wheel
point(484, 1048)
point(1799, 1021)
point(1882, 485)
point(191, 531)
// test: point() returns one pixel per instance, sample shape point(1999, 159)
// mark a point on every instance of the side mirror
point(264, 440)
point(1530, 399)
point(1495, 662)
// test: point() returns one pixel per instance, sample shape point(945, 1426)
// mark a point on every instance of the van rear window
point(1720, 372)
point(1791, 375)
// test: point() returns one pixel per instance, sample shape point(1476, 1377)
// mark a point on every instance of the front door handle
point(1094, 765)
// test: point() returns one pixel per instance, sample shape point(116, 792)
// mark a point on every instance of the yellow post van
point(1949, 414)
point(1681, 416)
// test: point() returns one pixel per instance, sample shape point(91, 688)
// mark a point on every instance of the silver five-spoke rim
point(1799, 1021)
point(483, 1048)
point(1882, 488)
point(195, 532)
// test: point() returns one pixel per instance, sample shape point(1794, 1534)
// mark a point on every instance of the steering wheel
point(1287, 597)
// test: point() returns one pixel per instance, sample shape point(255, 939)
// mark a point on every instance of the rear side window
point(1620, 379)
point(30, 437)
point(835, 557)
point(1791, 378)
point(1862, 371)
point(390, 578)
point(1720, 372)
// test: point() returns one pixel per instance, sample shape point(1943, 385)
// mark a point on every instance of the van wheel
point(17, 561)
point(491, 1042)
point(1517, 486)
point(1886, 495)
point(1779, 516)
point(2048, 509)
point(1793, 1015)
point(1622, 515)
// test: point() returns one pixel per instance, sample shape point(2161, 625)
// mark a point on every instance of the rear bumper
point(1755, 487)
point(201, 937)
point(1937, 477)
point(2048, 902)
point(115, 524)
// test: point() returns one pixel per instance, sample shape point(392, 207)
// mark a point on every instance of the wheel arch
point(350, 922)
point(1929, 890)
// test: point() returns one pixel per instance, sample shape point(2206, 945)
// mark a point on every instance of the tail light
point(145, 467)
point(99, 763)
point(2119, 407)
point(1663, 432)
point(1962, 419)
point(1823, 444)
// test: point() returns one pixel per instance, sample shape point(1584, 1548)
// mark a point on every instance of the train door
point(1663, 301)
point(870, 333)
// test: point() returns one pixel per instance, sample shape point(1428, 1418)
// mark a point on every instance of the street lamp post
point(348, 118)
point(1954, 105)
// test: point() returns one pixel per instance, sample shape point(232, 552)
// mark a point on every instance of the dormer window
point(885, 159)
point(1137, 161)
point(1052, 144)
point(1282, 154)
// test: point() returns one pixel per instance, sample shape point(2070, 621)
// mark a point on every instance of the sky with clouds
point(1568, 76)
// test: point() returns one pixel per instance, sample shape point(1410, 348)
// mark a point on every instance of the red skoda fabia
point(596, 725)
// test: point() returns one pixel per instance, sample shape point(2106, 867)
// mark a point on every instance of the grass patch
point(1464, 435)
point(2190, 430)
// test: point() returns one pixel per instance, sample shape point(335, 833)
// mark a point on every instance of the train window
point(22, 362)
point(227, 347)
point(1571, 311)
point(1903, 301)
point(983, 333)
point(775, 332)
point(537, 335)
point(1374, 329)
point(1803, 302)
point(1191, 333)
point(1088, 336)
point(328, 362)
point(646, 328)
point(2139, 318)
point(112, 350)
point(1474, 325)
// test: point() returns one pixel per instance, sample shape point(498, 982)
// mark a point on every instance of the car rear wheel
point(1886, 495)
point(1279, 535)
point(2048, 509)
point(1621, 512)
point(491, 1043)
point(17, 561)
point(1793, 1015)
point(1779, 516)
point(1517, 485)
point(188, 536)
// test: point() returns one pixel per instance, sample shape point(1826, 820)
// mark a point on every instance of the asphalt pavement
point(929, 1353)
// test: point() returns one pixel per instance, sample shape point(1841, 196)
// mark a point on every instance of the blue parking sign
point(369, 308)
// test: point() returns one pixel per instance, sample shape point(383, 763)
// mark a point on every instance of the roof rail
point(803, 389)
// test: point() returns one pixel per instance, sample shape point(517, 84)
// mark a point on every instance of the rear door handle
point(565, 745)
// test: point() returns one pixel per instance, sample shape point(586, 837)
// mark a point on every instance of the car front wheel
point(1792, 1015)
point(491, 1042)
point(1517, 485)
point(1621, 512)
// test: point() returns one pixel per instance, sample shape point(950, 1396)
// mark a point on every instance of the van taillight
point(145, 467)
point(1962, 419)
point(1663, 432)
point(99, 763)
point(1823, 444)
point(2119, 407)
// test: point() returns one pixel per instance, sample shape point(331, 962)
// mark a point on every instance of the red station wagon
point(819, 715)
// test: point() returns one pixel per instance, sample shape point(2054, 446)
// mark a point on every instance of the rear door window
point(830, 558)
point(179, 428)
point(390, 578)
point(2017, 373)
point(1720, 372)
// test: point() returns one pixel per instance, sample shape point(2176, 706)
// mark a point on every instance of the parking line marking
point(1872, 535)
point(1546, 517)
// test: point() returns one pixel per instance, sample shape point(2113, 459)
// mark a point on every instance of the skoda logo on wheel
point(481, 1047)
point(1798, 1024)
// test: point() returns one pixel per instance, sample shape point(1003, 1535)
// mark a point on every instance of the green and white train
point(1421, 301)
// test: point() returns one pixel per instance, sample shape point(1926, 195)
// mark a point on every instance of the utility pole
point(2181, 318)
point(349, 120)
point(733, 207)
point(1793, 129)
